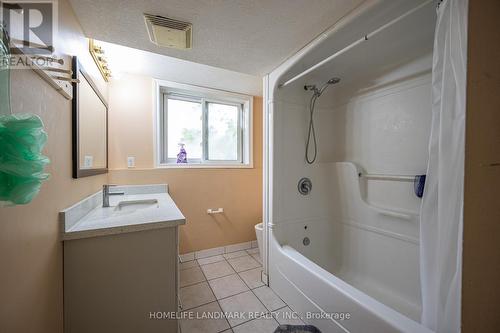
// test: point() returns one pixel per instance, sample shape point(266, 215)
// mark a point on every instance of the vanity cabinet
point(121, 262)
point(121, 282)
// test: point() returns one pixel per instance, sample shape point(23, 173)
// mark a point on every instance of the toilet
point(259, 232)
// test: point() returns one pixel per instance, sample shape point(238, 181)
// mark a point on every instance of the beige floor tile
point(196, 295)
point(235, 254)
point(188, 264)
point(269, 298)
point(210, 260)
point(238, 247)
point(217, 270)
point(285, 316)
point(209, 252)
point(245, 304)
point(227, 286)
point(253, 251)
point(243, 263)
point(204, 325)
point(260, 325)
point(257, 258)
point(191, 276)
point(252, 277)
point(186, 257)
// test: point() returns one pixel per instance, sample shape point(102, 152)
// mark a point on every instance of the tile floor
point(230, 284)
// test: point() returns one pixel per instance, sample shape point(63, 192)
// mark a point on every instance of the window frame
point(204, 96)
point(239, 137)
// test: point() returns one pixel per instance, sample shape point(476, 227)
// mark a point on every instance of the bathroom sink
point(140, 207)
point(135, 205)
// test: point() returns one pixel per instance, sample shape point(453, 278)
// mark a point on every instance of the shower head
point(312, 133)
point(318, 91)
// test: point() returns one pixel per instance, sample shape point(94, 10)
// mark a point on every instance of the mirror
point(90, 126)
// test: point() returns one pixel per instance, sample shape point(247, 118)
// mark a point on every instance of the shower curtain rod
point(356, 43)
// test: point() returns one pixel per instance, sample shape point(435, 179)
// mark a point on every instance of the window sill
point(205, 166)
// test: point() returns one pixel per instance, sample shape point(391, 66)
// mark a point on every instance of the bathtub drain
point(306, 241)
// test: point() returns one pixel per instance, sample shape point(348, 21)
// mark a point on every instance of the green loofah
point(22, 139)
point(22, 164)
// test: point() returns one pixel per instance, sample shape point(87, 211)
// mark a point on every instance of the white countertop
point(89, 219)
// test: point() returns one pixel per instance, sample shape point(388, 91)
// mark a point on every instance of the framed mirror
point(90, 126)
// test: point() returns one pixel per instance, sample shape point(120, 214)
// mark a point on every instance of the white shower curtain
point(441, 216)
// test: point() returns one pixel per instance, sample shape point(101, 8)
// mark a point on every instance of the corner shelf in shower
point(370, 217)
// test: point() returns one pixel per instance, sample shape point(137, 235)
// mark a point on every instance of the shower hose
point(312, 132)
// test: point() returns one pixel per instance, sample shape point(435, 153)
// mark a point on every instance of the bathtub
point(358, 260)
point(308, 288)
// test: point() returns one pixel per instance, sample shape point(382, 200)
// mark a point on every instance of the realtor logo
point(30, 25)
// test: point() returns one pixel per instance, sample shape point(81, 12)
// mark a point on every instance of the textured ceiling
point(248, 36)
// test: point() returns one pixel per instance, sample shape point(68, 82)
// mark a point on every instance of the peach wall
point(131, 107)
point(481, 247)
point(195, 190)
point(238, 191)
point(31, 278)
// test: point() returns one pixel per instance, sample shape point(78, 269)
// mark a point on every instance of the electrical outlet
point(88, 161)
point(131, 162)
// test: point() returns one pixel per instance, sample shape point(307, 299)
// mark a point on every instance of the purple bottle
point(182, 156)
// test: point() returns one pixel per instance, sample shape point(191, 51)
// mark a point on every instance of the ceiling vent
point(167, 32)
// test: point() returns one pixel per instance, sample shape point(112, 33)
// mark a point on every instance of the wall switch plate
point(88, 161)
point(131, 162)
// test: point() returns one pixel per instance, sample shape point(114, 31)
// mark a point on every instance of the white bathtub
point(308, 288)
point(361, 260)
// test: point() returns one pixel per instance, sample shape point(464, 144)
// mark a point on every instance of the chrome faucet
point(106, 193)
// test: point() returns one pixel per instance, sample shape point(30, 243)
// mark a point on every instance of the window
point(213, 127)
